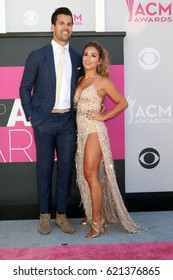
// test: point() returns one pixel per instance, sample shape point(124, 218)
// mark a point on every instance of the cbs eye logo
point(149, 158)
point(2, 109)
point(149, 58)
point(30, 18)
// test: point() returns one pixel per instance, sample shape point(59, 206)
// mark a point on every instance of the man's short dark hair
point(60, 11)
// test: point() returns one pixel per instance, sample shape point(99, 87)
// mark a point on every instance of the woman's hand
point(95, 115)
point(103, 108)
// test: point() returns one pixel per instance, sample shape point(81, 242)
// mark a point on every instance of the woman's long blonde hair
point(102, 68)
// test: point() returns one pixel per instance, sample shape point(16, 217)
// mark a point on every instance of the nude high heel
point(84, 222)
point(98, 227)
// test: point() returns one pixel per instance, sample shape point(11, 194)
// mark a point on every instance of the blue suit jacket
point(38, 85)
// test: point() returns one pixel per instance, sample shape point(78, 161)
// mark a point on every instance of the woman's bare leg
point(92, 157)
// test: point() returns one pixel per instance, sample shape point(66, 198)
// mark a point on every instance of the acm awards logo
point(17, 140)
point(152, 11)
point(77, 19)
point(149, 158)
point(150, 114)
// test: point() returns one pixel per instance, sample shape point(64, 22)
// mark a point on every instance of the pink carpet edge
point(125, 251)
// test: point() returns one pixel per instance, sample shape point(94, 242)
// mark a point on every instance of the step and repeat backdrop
point(139, 38)
point(148, 61)
point(148, 88)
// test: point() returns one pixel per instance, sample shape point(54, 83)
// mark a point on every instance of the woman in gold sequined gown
point(96, 178)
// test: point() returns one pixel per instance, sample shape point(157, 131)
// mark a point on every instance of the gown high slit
point(113, 208)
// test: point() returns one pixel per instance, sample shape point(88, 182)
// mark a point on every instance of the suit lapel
point(74, 73)
point(74, 62)
point(50, 61)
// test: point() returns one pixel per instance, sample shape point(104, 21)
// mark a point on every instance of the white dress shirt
point(66, 76)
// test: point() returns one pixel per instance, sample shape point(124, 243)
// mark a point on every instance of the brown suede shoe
point(63, 223)
point(44, 225)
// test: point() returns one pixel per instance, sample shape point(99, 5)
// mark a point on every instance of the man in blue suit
point(53, 123)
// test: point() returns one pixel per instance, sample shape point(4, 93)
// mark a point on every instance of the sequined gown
point(113, 207)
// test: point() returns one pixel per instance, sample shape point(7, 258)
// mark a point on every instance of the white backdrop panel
point(34, 16)
point(148, 88)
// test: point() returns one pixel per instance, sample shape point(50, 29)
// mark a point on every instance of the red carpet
point(132, 251)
